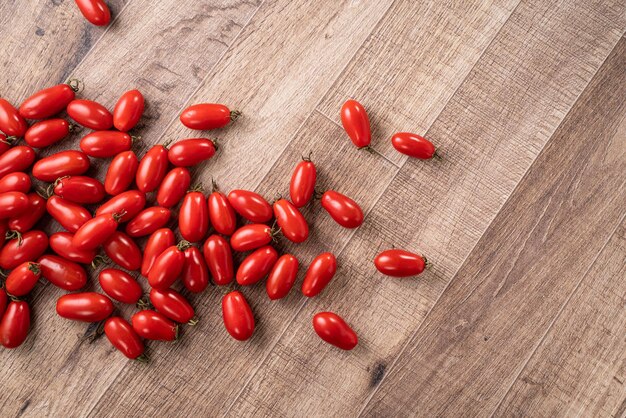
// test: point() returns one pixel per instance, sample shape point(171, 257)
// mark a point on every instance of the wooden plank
point(485, 327)
point(579, 368)
point(494, 127)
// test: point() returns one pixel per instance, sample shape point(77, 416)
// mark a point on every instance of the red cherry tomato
point(47, 132)
point(28, 219)
point(4, 300)
point(48, 102)
point(121, 173)
point(152, 169)
point(153, 325)
point(95, 232)
point(400, 263)
point(291, 222)
point(64, 163)
point(79, 189)
point(252, 206)
point(168, 266)
point(333, 329)
point(193, 217)
point(120, 286)
point(70, 215)
point(221, 213)
point(131, 202)
point(61, 243)
point(173, 187)
point(302, 186)
point(95, 11)
point(205, 116)
point(123, 251)
point(15, 182)
point(15, 324)
point(62, 273)
point(256, 266)
point(105, 144)
point(12, 204)
point(147, 221)
point(356, 123)
point(158, 242)
point(345, 211)
point(282, 277)
point(123, 337)
point(413, 145)
point(250, 237)
point(90, 114)
point(238, 317)
point(189, 152)
point(128, 110)
point(11, 122)
point(16, 159)
point(320, 272)
point(173, 305)
point(22, 279)
point(219, 259)
point(27, 248)
point(195, 275)
point(86, 306)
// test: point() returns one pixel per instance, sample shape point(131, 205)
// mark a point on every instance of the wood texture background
point(524, 310)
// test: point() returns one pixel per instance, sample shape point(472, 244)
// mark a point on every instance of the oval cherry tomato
point(15, 324)
point(191, 151)
point(252, 206)
point(158, 242)
point(4, 300)
point(90, 114)
point(12, 204)
point(173, 187)
point(62, 273)
point(11, 122)
point(15, 182)
point(64, 163)
point(193, 217)
point(147, 221)
point(95, 232)
point(282, 277)
point(48, 102)
point(123, 251)
point(195, 274)
point(356, 123)
point(22, 279)
point(16, 159)
point(413, 145)
point(121, 173)
point(95, 11)
point(334, 330)
point(291, 222)
point(205, 116)
point(238, 317)
point(168, 266)
point(47, 132)
point(153, 325)
point(79, 189)
point(219, 259)
point(123, 337)
point(173, 305)
point(70, 215)
point(256, 266)
point(86, 306)
point(120, 286)
point(221, 213)
point(131, 202)
point(61, 243)
point(345, 211)
point(302, 186)
point(152, 169)
point(400, 263)
point(28, 219)
point(320, 272)
point(128, 110)
point(16, 251)
point(250, 237)
point(105, 144)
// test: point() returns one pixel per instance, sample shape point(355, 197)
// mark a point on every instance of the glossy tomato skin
point(356, 123)
point(153, 325)
point(95, 232)
point(11, 122)
point(29, 218)
point(131, 202)
point(120, 286)
point(319, 274)
point(167, 267)
point(47, 132)
point(250, 237)
point(64, 163)
point(123, 251)
point(79, 189)
point(345, 211)
point(158, 242)
point(17, 158)
point(282, 277)
point(121, 173)
point(252, 206)
point(413, 145)
point(15, 182)
point(205, 116)
point(147, 221)
point(256, 266)
point(90, 114)
point(128, 110)
point(14, 252)
point(12, 204)
point(95, 11)
point(195, 275)
point(22, 279)
point(70, 215)
point(47, 102)
point(302, 186)
point(86, 306)
point(152, 169)
point(15, 324)
point(190, 152)
point(105, 144)
point(291, 222)
point(237, 315)
point(333, 329)
point(221, 214)
point(123, 337)
point(219, 259)
point(172, 304)
point(173, 187)
point(399, 263)
point(62, 273)
point(193, 217)
point(61, 243)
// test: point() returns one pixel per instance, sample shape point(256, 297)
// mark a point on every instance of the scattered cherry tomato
point(400, 263)
point(356, 123)
point(105, 144)
point(291, 222)
point(22, 279)
point(345, 211)
point(128, 110)
point(168, 266)
point(193, 217)
point(320, 272)
point(251, 206)
point(158, 242)
point(120, 286)
point(79, 189)
point(61, 243)
point(189, 152)
point(173, 305)
point(25, 248)
point(250, 237)
point(64, 163)
point(95, 11)
point(413, 145)
point(256, 266)
point(15, 182)
point(13, 204)
point(11, 122)
point(130, 202)
point(86, 306)
point(219, 259)
point(90, 114)
point(123, 337)
point(70, 215)
point(16, 159)
point(195, 275)
point(302, 186)
point(153, 325)
point(121, 173)
point(152, 169)
point(221, 213)
point(174, 187)
point(205, 116)
point(62, 273)
point(123, 251)
point(48, 102)
point(237, 315)
point(95, 231)
point(47, 132)
point(15, 324)
point(29, 218)
point(282, 277)
point(333, 329)
point(147, 221)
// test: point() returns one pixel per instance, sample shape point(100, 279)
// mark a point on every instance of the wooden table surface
point(523, 312)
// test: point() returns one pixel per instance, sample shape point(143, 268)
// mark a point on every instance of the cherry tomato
point(47, 132)
point(70, 215)
point(413, 145)
point(320, 272)
point(238, 317)
point(12, 204)
point(219, 259)
point(189, 152)
point(128, 110)
point(22, 279)
point(153, 325)
point(123, 251)
point(158, 242)
point(79, 189)
point(250, 237)
point(95, 231)
point(168, 266)
point(173, 187)
point(95, 11)
point(15, 182)
point(123, 337)
point(48, 102)
point(121, 173)
point(27, 248)
point(64, 163)
point(147, 221)
point(345, 211)
point(11, 122)
point(195, 275)
point(282, 277)
point(221, 213)
point(334, 330)
point(15, 324)
point(193, 217)
point(152, 169)
point(90, 114)
point(205, 116)
point(16, 159)
point(400, 263)
point(291, 222)
point(120, 286)
point(61, 243)
point(62, 273)
point(86, 306)
point(131, 202)
point(105, 144)
point(252, 206)
point(302, 186)
point(4, 300)
point(256, 266)
point(356, 123)
point(173, 305)
point(28, 219)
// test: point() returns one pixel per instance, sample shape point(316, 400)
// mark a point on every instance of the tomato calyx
point(135, 138)
point(308, 157)
point(437, 156)
point(234, 115)
point(427, 264)
point(196, 188)
point(14, 235)
point(35, 268)
point(9, 140)
point(183, 245)
point(94, 331)
point(142, 359)
point(117, 217)
point(73, 127)
point(167, 143)
point(50, 189)
point(144, 304)
point(99, 260)
point(76, 84)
